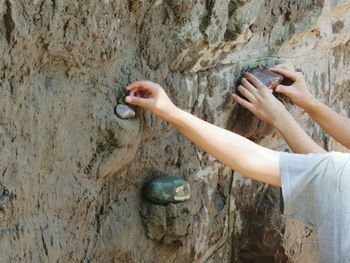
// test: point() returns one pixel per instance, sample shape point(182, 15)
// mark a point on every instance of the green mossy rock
point(163, 190)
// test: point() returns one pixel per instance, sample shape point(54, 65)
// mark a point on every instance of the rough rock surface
point(71, 171)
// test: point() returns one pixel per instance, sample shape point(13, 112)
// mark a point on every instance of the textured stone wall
point(71, 171)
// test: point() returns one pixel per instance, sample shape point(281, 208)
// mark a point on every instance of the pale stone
point(124, 111)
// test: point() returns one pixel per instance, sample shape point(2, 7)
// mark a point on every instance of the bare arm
point(231, 149)
point(235, 151)
point(332, 122)
point(297, 139)
point(265, 106)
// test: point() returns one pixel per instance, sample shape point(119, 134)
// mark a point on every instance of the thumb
point(137, 101)
point(283, 89)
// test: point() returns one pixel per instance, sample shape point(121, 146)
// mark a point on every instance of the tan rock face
point(71, 171)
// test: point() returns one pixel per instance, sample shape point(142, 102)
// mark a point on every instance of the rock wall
point(71, 171)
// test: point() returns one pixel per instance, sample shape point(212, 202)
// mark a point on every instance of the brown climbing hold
point(267, 77)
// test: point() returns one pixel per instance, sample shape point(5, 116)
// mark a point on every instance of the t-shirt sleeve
point(309, 183)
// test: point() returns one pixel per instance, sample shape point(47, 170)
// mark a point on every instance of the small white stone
point(2, 213)
point(124, 111)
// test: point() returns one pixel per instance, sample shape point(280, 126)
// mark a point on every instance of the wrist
point(311, 106)
point(307, 103)
point(286, 126)
point(171, 113)
point(282, 120)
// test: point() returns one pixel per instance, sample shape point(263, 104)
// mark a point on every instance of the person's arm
point(332, 122)
point(261, 102)
point(235, 151)
point(297, 139)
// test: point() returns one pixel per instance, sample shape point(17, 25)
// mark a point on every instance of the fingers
point(291, 74)
point(242, 102)
point(282, 89)
point(285, 65)
point(142, 89)
point(137, 101)
point(246, 93)
point(254, 80)
point(136, 84)
point(142, 85)
point(248, 86)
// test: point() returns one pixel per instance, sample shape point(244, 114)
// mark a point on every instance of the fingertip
point(279, 88)
point(244, 80)
point(128, 99)
point(277, 67)
point(133, 85)
point(235, 97)
point(250, 77)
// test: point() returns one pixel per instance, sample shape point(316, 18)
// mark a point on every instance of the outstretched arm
point(233, 150)
point(332, 122)
point(265, 106)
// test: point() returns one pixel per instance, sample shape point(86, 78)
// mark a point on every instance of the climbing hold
point(124, 111)
point(163, 190)
point(267, 77)
point(2, 213)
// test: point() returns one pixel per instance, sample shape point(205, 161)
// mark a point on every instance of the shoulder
point(338, 161)
point(309, 183)
point(316, 170)
point(313, 167)
point(331, 158)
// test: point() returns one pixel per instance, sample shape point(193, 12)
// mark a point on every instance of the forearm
point(297, 139)
point(332, 122)
point(237, 152)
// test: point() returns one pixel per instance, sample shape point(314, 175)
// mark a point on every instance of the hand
point(261, 102)
point(298, 92)
point(150, 96)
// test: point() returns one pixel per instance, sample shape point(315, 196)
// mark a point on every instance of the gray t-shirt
point(316, 190)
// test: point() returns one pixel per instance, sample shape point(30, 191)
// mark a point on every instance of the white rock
point(124, 111)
